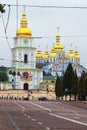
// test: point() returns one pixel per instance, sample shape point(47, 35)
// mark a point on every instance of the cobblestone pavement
point(40, 115)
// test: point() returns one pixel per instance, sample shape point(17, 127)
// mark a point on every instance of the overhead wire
point(7, 60)
point(5, 26)
point(49, 6)
point(34, 6)
point(44, 37)
point(7, 19)
point(2, 59)
point(37, 6)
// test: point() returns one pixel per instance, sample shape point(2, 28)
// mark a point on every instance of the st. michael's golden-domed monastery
point(28, 62)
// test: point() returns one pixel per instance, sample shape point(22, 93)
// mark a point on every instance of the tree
point(86, 85)
point(58, 87)
point(82, 86)
point(75, 85)
point(2, 10)
point(3, 76)
point(68, 80)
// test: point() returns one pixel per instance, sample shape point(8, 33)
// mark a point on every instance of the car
point(42, 99)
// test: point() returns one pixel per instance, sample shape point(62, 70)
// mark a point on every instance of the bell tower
point(23, 73)
point(23, 53)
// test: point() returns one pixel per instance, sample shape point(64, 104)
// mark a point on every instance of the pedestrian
point(29, 94)
point(47, 86)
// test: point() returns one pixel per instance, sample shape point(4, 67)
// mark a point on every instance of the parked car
point(42, 99)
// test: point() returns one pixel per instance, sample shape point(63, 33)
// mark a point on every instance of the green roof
point(13, 68)
point(48, 78)
point(3, 68)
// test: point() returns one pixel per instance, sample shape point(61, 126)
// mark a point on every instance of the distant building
point(57, 60)
point(28, 63)
point(23, 74)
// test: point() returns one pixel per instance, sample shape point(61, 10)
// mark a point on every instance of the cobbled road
point(42, 115)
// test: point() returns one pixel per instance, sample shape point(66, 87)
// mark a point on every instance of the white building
point(56, 61)
point(23, 73)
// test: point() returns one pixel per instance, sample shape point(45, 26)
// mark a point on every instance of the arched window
point(25, 58)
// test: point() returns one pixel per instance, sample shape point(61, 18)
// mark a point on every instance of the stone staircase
point(20, 94)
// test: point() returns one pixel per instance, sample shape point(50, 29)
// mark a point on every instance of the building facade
point(23, 73)
point(56, 61)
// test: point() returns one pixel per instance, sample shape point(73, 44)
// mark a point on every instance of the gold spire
point(53, 52)
point(77, 57)
point(58, 46)
point(71, 53)
point(64, 53)
point(24, 31)
point(46, 55)
point(39, 54)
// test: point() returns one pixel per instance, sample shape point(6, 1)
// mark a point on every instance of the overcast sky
point(44, 22)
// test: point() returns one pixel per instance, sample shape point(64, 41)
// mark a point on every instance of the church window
point(25, 41)
point(19, 54)
point(25, 58)
point(31, 54)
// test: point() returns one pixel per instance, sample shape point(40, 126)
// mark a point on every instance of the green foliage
point(68, 79)
point(83, 86)
point(58, 87)
point(3, 76)
point(2, 10)
point(75, 85)
point(44, 73)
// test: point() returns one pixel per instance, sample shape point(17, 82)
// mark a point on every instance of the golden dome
point(46, 55)
point(58, 46)
point(23, 31)
point(53, 52)
point(77, 55)
point(58, 37)
point(64, 53)
point(39, 54)
point(71, 53)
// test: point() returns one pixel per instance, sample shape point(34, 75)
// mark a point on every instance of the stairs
point(20, 94)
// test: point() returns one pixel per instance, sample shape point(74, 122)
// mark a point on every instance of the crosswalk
point(30, 101)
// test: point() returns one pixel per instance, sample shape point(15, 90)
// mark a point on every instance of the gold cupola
point(24, 30)
point(46, 55)
point(39, 54)
point(71, 53)
point(58, 46)
point(53, 52)
point(64, 55)
point(77, 57)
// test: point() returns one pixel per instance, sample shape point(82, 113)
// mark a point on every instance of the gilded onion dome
point(77, 55)
point(46, 55)
point(53, 52)
point(71, 53)
point(39, 54)
point(64, 53)
point(23, 31)
point(58, 46)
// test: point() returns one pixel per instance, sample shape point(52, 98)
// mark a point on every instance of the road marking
point(33, 120)
point(76, 117)
point(68, 119)
point(49, 110)
point(47, 128)
point(75, 112)
point(20, 106)
point(9, 116)
point(39, 123)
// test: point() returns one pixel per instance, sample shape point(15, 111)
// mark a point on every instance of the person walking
point(29, 94)
point(47, 87)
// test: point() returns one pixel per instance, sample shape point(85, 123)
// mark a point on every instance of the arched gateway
point(26, 86)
